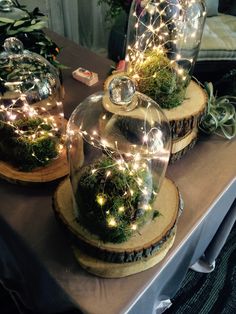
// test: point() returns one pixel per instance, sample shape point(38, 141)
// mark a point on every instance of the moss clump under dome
point(112, 202)
point(28, 143)
point(158, 78)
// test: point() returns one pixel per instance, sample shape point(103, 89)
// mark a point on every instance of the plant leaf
point(6, 20)
point(18, 23)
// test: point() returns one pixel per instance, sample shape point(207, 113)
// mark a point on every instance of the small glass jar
point(119, 145)
point(164, 37)
point(31, 110)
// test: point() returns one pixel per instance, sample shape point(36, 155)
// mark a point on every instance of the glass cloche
point(163, 41)
point(31, 111)
point(119, 145)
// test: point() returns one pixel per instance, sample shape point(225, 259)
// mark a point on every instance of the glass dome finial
point(121, 90)
point(13, 45)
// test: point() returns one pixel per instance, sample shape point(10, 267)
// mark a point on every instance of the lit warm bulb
point(101, 200)
point(147, 207)
point(145, 138)
point(12, 117)
point(121, 209)
point(112, 222)
point(134, 227)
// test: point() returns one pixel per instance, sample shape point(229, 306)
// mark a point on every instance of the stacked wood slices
point(143, 250)
point(184, 120)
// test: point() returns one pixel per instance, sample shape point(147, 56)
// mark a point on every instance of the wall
point(42, 4)
point(83, 21)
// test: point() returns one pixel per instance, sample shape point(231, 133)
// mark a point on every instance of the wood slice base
point(117, 270)
point(184, 118)
point(181, 146)
point(57, 169)
point(143, 250)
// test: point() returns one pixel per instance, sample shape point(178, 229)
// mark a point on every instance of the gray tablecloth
point(22, 274)
point(46, 265)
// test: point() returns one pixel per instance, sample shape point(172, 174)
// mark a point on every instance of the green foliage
point(159, 79)
point(220, 117)
point(121, 200)
point(29, 30)
point(21, 150)
point(115, 7)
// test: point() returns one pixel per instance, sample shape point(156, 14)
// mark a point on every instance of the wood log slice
point(58, 168)
point(182, 145)
point(156, 236)
point(117, 270)
point(184, 118)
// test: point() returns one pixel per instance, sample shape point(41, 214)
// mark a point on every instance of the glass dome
point(29, 74)
point(162, 46)
point(119, 145)
point(31, 111)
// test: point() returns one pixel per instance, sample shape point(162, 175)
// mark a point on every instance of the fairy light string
point(135, 163)
point(49, 125)
point(160, 26)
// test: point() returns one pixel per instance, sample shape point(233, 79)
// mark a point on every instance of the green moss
point(159, 79)
point(104, 199)
point(21, 150)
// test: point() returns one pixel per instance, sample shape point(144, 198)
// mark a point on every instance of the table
point(36, 254)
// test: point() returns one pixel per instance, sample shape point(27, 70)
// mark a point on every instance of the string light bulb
point(101, 199)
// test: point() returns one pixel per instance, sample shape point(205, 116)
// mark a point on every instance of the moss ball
point(111, 201)
point(159, 79)
point(24, 151)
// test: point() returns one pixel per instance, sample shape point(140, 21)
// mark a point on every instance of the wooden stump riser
point(118, 270)
point(54, 171)
point(185, 118)
point(108, 256)
point(129, 251)
point(180, 128)
point(178, 155)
